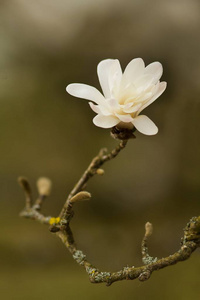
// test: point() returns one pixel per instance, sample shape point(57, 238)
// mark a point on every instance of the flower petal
point(143, 97)
point(125, 118)
point(145, 125)
point(112, 103)
point(103, 70)
point(154, 69)
point(132, 109)
point(144, 81)
point(85, 91)
point(100, 109)
point(161, 88)
point(133, 70)
point(115, 78)
point(105, 121)
point(95, 108)
point(109, 74)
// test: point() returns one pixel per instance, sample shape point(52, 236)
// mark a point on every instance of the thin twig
point(95, 164)
point(146, 258)
point(61, 227)
point(23, 182)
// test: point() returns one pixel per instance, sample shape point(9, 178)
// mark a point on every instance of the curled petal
point(105, 121)
point(107, 109)
point(145, 125)
point(95, 108)
point(100, 109)
point(85, 91)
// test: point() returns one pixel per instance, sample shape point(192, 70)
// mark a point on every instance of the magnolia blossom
point(125, 95)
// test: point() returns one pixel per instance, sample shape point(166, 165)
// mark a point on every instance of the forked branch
point(61, 226)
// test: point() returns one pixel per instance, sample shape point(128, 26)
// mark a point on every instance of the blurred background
point(47, 44)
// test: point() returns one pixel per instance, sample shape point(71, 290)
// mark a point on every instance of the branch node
point(54, 228)
point(145, 275)
point(192, 230)
point(102, 152)
point(122, 133)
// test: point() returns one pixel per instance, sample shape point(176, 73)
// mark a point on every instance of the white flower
point(125, 95)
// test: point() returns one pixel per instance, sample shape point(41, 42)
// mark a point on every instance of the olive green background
point(45, 45)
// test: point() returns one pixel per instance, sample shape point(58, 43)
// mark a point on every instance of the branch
point(93, 169)
point(61, 226)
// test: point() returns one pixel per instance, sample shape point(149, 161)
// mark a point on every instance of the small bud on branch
point(100, 172)
point(44, 186)
point(148, 229)
point(81, 196)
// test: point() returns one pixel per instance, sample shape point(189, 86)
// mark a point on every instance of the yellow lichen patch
point(54, 221)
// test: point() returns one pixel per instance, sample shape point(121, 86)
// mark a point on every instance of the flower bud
point(81, 196)
point(148, 229)
point(44, 186)
point(100, 171)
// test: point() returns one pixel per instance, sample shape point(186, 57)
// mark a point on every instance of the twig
point(61, 227)
point(92, 169)
point(146, 258)
point(23, 182)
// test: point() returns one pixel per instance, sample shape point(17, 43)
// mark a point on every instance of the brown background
point(45, 45)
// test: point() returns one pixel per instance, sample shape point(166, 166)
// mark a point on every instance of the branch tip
point(23, 182)
point(44, 185)
point(148, 229)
